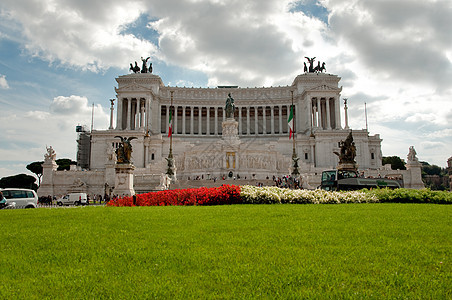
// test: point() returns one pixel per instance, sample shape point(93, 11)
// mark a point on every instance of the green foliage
point(64, 163)
point(411, 196)
point(36, 167)
point(19, 181)
point(396, 162)
point(432, 170)
point(435, 177)
point(366, 251)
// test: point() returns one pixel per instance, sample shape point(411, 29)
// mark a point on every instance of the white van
point(24, 198)
point(73, 199)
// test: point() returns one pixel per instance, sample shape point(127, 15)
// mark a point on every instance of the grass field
point(351, 251)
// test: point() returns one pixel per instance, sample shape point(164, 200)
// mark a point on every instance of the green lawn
point(351, 251)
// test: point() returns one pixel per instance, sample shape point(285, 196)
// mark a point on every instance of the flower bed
point(230, 194)
point(226, 194)
point(269, 195)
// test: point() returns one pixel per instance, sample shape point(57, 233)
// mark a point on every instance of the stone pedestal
point(124, 180)
point(415, 171)
point(347, 166)
point(230, 145)
point(46, 187)
point(230, 130)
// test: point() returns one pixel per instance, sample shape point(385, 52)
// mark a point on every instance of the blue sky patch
point(141, 31)
point(311, 8)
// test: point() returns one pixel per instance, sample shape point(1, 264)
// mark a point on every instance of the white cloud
point(78, 33)
point(444, 133)
point(398, 39)
point(30, 132)
point(70, 105)
point(3, 82)
point(393, 54)
point(251, 43)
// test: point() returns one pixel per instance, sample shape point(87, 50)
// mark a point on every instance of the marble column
point(167, 119)
point(264, 119)
point(183, 119)
point(216, 120)
point(129, 113)
point(175, 120)
point(327, 108)
point(119, 114)
point(200, 120)
point(148, 113)
point(192, 111)
point(256, 120)
point(143, 107)
point(319, 111)
point(240, 120)
point(337, 116)
point(208, 120)
point(112, 109)
point(272, 119)
point(314, 114)
point(248, 120)
point(280, 119)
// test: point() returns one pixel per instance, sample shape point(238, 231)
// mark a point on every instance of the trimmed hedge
point(411, 196)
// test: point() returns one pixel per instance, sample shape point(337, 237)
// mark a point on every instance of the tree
point(19, 181)
point(36, 167)
point(64, 164)
point(396, 162)
point(434, 177)
point(432, 169)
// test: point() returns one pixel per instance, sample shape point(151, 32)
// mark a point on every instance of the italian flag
point(170, 125)
point(290, 122)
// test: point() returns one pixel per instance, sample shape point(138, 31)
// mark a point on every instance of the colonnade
point(205, 120)
point(325, 113)
point(132, 114)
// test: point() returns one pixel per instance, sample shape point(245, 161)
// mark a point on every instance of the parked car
point(73, 199)
point(24, 198)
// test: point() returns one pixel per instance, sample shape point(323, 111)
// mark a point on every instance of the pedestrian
point(2, 200)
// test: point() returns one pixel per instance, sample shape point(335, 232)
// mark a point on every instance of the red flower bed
point(226, 194)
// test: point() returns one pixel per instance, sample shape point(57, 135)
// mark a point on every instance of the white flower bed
point(267, 195)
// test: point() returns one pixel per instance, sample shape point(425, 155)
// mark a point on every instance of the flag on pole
point(170, 125)
point(290, 122)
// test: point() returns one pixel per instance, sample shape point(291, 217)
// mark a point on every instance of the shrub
point(412, 196)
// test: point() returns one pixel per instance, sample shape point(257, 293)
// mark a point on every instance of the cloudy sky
point(58, 58)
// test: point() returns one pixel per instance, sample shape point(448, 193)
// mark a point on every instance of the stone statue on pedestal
point(50, 155)
point(230, 107)
point(411, 157)
point(347, 154)
point(124, 152)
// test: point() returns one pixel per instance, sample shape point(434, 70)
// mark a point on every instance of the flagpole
point(170, 155)
point(365, 114)
point(295, 171)
point(293, 124)
point(170, 171)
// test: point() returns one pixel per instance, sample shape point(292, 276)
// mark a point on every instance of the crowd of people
point(288, 182)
